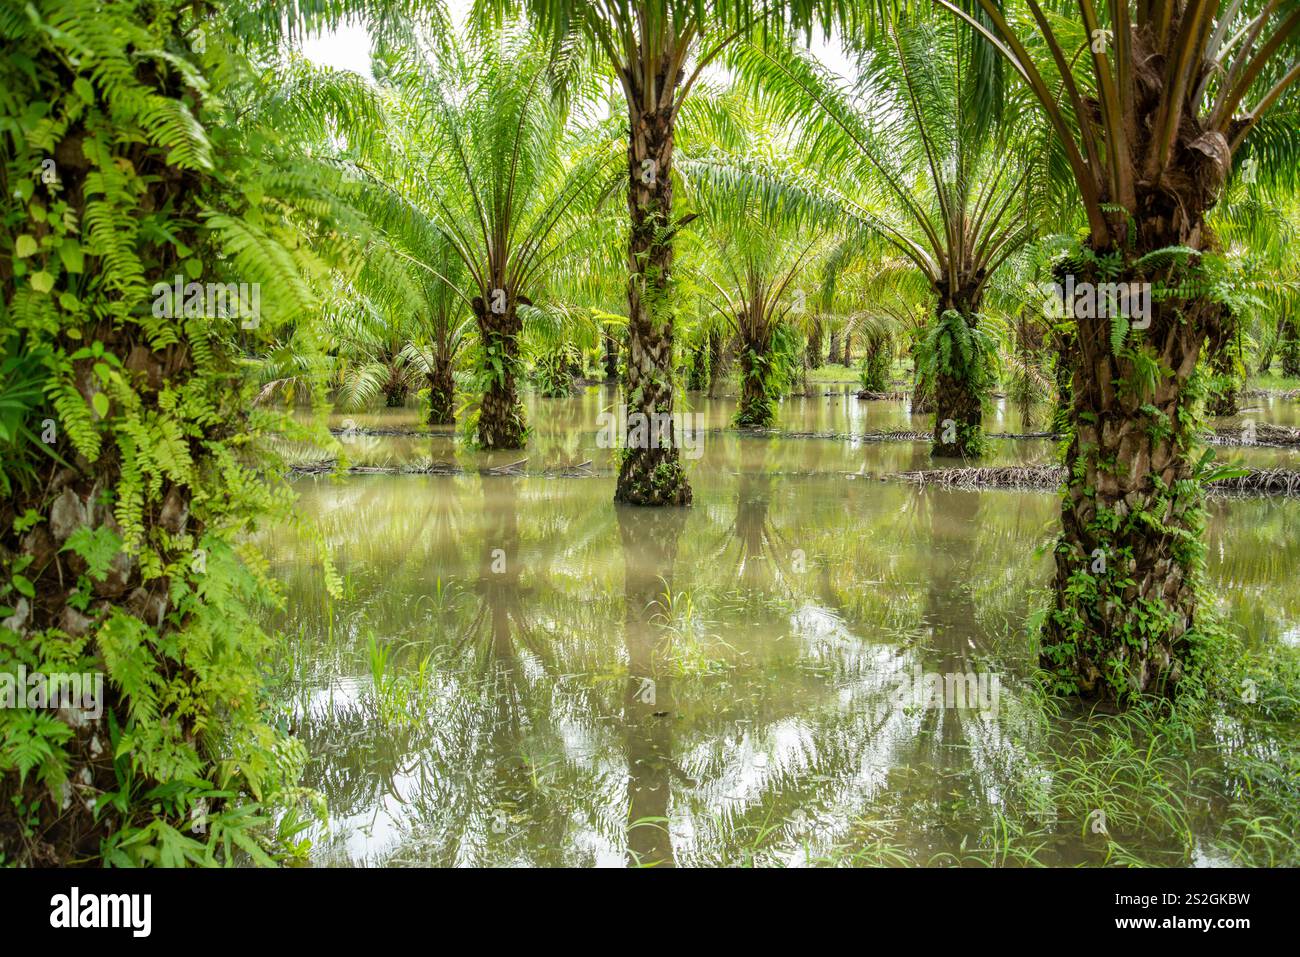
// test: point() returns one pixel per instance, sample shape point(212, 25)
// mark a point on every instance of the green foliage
point(126, 165)
point(961, 350)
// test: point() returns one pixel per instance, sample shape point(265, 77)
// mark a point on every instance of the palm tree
point(444, 331)
point(919, 106)
point(658, 49)
point(750, 255)
point(1151, 101)
point(129, 420)
point(487, 165)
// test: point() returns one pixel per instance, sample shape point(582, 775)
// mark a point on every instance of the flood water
point(521, 673)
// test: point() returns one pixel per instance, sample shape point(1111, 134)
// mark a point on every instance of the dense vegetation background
point(676, 196)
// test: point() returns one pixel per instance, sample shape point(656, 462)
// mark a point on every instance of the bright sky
point(348, 48)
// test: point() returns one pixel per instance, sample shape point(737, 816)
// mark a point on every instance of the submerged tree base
point(652, 477)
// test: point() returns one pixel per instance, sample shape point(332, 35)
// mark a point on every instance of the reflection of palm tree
point(949, 609)
point(761, 551)
point(649, 538)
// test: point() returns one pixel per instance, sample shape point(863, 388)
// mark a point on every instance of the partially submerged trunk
point(1130, 558)
point(442, 392)
point(756, 409)
point(651, 474)
point(958, 405)
point(501, 415)
point(877, 363)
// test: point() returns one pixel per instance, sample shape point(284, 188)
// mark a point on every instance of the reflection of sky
point(778, 730)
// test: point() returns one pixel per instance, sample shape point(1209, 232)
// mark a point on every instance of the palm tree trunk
point(833, 356)
point(715, 361)
point(653, 474)
point(1290, 347)
point(1128, 559)
point(815, 345)
point(756, 409)
point(395, 389)
point(698, 377)
point(611, 356)
point(501, 416)
point(1226, 371)
point(958, 406)
point(442, 392)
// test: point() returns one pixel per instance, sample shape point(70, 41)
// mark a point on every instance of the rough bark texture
point(958, 409)
point(501, 416)
point(1289, 347)
point(1125, 599)
point(833, 356)
point(652, 475)
point(610, 358)
point(815, 345)
point(1129, 558)
point(82, 497)
point(396, 388)
point(442, 393)
point(756, 410)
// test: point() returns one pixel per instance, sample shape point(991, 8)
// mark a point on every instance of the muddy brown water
point(520, 673)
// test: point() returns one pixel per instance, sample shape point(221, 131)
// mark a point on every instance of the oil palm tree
point(486, 164)
point(1151, 100)
point(920, 104)
point(658, 50)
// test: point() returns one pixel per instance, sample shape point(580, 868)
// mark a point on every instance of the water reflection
point(519, 673)
point(649, 540)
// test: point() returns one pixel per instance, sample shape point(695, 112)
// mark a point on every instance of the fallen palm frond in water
point(1256, 433)
point(392, 432)
point(563, 470)
point(1260, 482)
point(560, 470)
point(329, 465)
point(513, 468)
point(896, 396)
point(893, 436)
point(1049, 478)
point(1254, 393)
